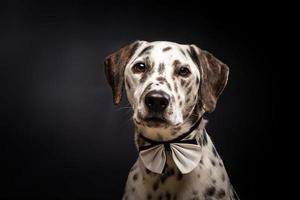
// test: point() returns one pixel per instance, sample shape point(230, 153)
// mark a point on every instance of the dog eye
point(184, 71)
point(139, 68)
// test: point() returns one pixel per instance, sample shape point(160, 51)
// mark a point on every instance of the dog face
point(162, 84)
point(168, 85)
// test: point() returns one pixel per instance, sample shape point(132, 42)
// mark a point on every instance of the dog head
point(168, 85)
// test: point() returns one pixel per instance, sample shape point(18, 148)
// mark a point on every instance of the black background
point(62, 137)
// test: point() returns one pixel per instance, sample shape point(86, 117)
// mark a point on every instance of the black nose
point(157, 101)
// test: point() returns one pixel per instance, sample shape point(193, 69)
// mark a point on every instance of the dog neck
point(195, 132)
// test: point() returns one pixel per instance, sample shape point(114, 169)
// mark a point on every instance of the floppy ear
point(114, 66)
point(214, 76)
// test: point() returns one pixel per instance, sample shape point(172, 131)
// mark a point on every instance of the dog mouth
point(153, 121)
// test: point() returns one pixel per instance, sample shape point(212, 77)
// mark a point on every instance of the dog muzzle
point(186, 153)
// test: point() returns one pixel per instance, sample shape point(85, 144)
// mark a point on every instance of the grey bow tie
point(186, 154)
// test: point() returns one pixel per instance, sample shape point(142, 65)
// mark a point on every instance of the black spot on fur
point(128, 84)
point(182, 82)
point(149, 196)
point(189, 91)
point(214, 151)
point(148, 63)
point(220, 194)
point(194, 117)
point(148, 171)
point(223, 177)
point(179, 176)
point(188, 84)
point(195, 97)
point(134, 48)
point(148, 87)
point(213, 162)
point(176, 63)
point(193, 54)
point(162, 79)
point(198, 176)
point(155, 186)
point(135, 177)
point(185, 115)
point(133, 189)
point(187, 100)
point(161, 68)
point(168, 196)
point(160, 197)
point(200, 141)
point(166, 49)
point(201, 161)
point(145, 50)
point(176, 87)
point(144, 77)
point(172, 98)
point(220, 163)
point(210, 191)
point(204, 139)
point(169, 86)
point(197, 81)
point(181, 50)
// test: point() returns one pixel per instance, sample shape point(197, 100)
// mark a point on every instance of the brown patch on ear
point(214, 75)
point(114, 66)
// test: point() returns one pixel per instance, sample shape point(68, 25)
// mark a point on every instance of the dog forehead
point(164, 44)
point(166, 52)
point(163, 52)
point(166, 47)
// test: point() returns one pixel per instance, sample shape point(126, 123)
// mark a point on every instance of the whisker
point(122, 108)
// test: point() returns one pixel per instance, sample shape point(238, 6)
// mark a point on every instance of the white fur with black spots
point(169, 87)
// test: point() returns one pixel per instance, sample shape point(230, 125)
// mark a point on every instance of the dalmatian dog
point(169, 87)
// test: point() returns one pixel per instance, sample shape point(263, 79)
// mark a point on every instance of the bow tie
point(186, 153)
